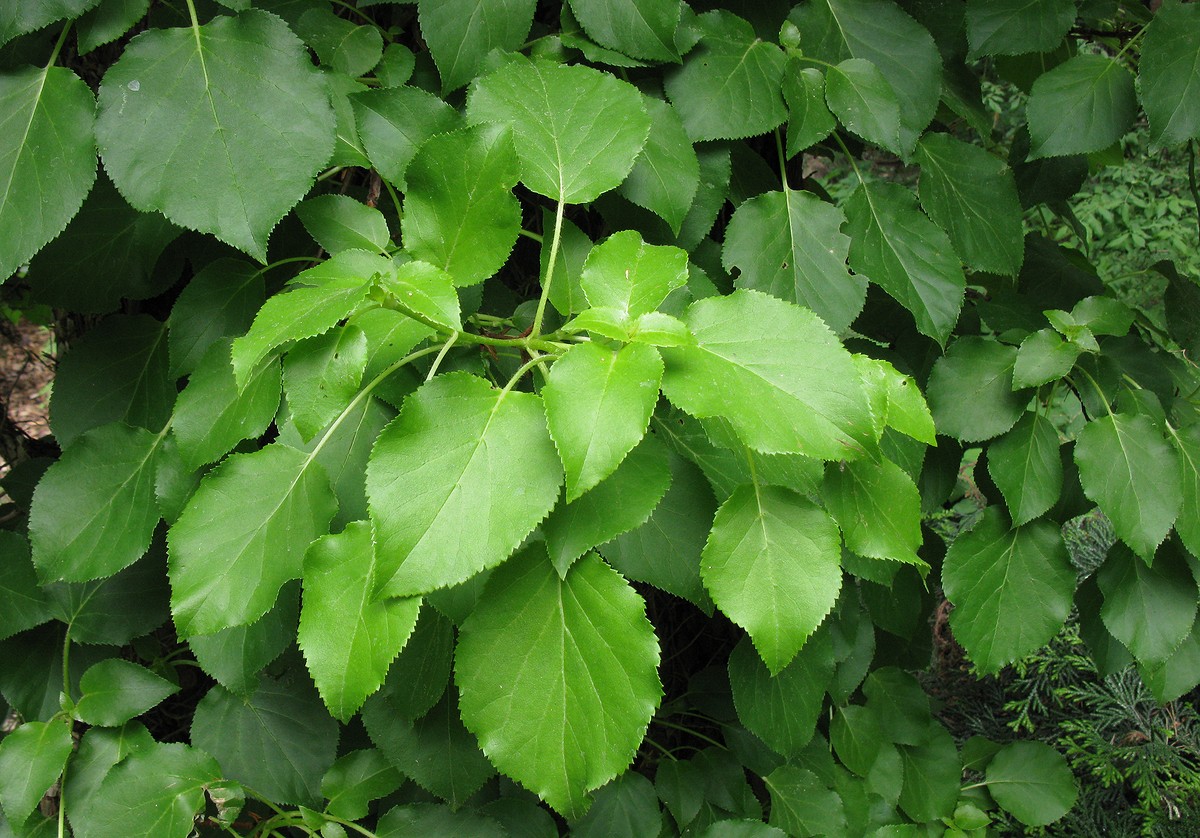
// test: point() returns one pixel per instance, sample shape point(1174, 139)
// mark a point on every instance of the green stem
point(1096, 387)
point(849, 157)
point(691, 732)
point(328, 173)
point(286, 261)
point(661, 749)
point(437, 362)
point(395, 198)
point(526, 367)
point(58, 45)
point(366, 833)
point(782, 161)
point(536, 331)
point(531, 235)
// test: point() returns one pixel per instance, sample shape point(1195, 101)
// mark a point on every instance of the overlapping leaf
point(1083, 105)
point(861, 98)
point(666, 175)
point(1026, 466)
point(1016, 27)
point(1169, 74)
point(970, 390)
point(782, 708)
point(114, 691)
point(878, 508)
point(1149, 609)
point(461, 33)
point(23, 605)
point(640, 28)
point(394, 122)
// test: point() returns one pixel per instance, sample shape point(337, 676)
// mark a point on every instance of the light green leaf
point(1032, 781)
point(861, 98)
point(809, 119)
point(773, 565)
point(598, 404)
point(394, 122)
point(20, 18)
point(1083, 105)
point(972, 195)
point(666, 175)
point(1169, 74)
point(660, 329)
point(789, 244)
point(878, 508)
point(1187, 524)
point(114, 691)
point(1027, 468)
point(626, 274)
point(1017, 27)
point(47, 156)
point(641, 28)
point(23, 604)
point(355, 780)
point(212, 416)
point(857, 735)
point(1149, 609)
point(729, 86)
point(1012, 588)
point(278, 740)
point(243, 535)
point(219, 301)
point(426, 292)
point(907, 411)
point(234, 656)
point(1103, 315)
point(794, 385)
point(621, 502)
point(625, 808)
point(348, 638)
point(906, 255)
point(338, 222)
point(94, 511)
point(191, 124)
point(971, 392)
point(558, 676)
point(321, 376)
point(321, 296)
point(782, 709)
point(461, 33)
point(1130, 471)
point(1044, 357)
point(457, 481)
point(932, 774)
point(802, 804)
point(31, 758)
point(459, 211)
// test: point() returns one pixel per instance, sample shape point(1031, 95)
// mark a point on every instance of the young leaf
point(114, 691)
point(773, 565)
point(355, 780)
point(641, 28)
point(23, 604)
point(729, 86)
point(809, 119)
point(1032, 781)
point(626, 274)
point(1128, 469)
point(558, 675)
point(204, 105)
point(94, 511)
point(456, 482)
point(972, 195)
point(861, 98)
point(461, 33)
point(578, 130)
point(906, 255)
point(348, 638)
point(970, 390)
point(338, 223)
point(802, 804)
point(566, 294)
point(789, 244)
point(459, 212)
point(1012, 588)
point(1083, 105)
point(47, 156)
point(1027, 468)
point(1044, 357)
point(219, 301)
point(1149, 609)
point(1017, 27)
point(243, 535)
point(321, 376)
point(426, 292)
point(1169, 74)
point(666, 174)
point(794, 386)
point(31, 758)
point(394, 122)
point(878, 508)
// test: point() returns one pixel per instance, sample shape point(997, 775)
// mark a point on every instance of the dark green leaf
point(1187, 444)
point(1169, 74)
point(1083, 105)
point(355, 780)
point(625, 808)
point(20, 18)
point(801, 804)
point(394, 122)
point(235, 655)
point(31, 758)
point(155, 792)
point(108, 21)
point(782, 709)
point(114, 691)
point(641, 28)
point(23, 605)
point(338, 223)
point(1149, 609)
point(1026, 465)
point(417, 678)
point(220, 301)
point(432, 819)
point(1015, 27)
point(1032, 781)
point(861, 98)
point(1044, 357)
point(461, 33)
point(932, 774)
point(809, 119)
point(114, 610)
point(100, 750)
point(971, 391)
point(857, 735)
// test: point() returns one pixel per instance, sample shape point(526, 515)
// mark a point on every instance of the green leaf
point(907, 411)
point(114, 691)
point(906, 255)
point(31, 758)
point(857, 735)
point(116, 373)
point(278, 740)
point(426, 292)
point(666, 175)
point(782, 709)
point(1044, 357)
point(578, 131)
point(1103, 315)
point(878, 508)
point(971, 392)
point(23, 605)
point(321, 376)
point(729, 86)
point(205, 105)
point(1178, 674)
point(100, 750)
point(1169, 74)
point(566, 294)
point(1149, 609)
point(47, 156)
point(1187, 524)
point(243, 535)
point(789, 244)
point(338, 223)
point(558, 676)
point(621, 502)
point(20, 18)
point(393, 123)
point(114, 610)
point(1085, 104)
point(741, 829)
point(1032, 781)
point(234, 656)
point(1027, 468)
point(809, 119)
point(1129, 470)
point(794, 386)
point(625, 808)
point(598, 404)
point(861, 98)
point(94, 511)
point(1012, 588)
point(459, 212)
point(108, 21)
point(342, 45)
point(461, 33)
point(418, 676)
point(773, 565)
point(155, 792)
point(321, 297)
point(433, 819)
point(972, 195)
point(355, 780)
point(1016, 27)
point(219, 301)
point(348, 638)
point(932, 774)
point(626, 274)
point(802, 804)
point(457, 481)
point(641, 28)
